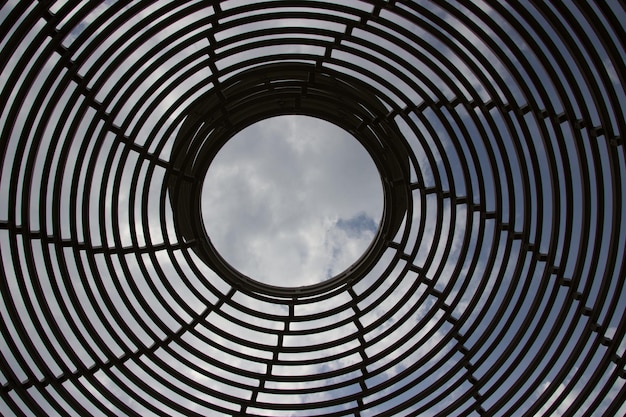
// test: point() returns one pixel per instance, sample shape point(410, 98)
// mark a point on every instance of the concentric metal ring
point(495, 285)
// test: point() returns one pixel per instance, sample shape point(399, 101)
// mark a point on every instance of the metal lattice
point(495, 284)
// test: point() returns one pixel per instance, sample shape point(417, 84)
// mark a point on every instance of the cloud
point(565, 403)
point(283, 200)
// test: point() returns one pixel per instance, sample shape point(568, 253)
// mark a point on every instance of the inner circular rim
point(286, 89)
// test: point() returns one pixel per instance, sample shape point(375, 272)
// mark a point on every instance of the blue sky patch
point(356, 225)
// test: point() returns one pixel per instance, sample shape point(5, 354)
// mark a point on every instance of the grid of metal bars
point(495, 285)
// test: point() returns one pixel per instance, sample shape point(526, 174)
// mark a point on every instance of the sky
point(302, 196)
point(293, 200)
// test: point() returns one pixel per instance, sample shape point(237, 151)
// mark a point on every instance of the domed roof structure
point(495, 280)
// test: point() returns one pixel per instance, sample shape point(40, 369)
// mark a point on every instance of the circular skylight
point(292, 201)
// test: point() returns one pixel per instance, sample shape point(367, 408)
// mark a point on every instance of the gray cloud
point(278, 199)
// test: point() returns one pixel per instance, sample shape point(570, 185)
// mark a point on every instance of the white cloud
point(610, 69)
point(275, 195)
point(564, 405)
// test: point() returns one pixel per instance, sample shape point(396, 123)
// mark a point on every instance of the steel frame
point(495, 284)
